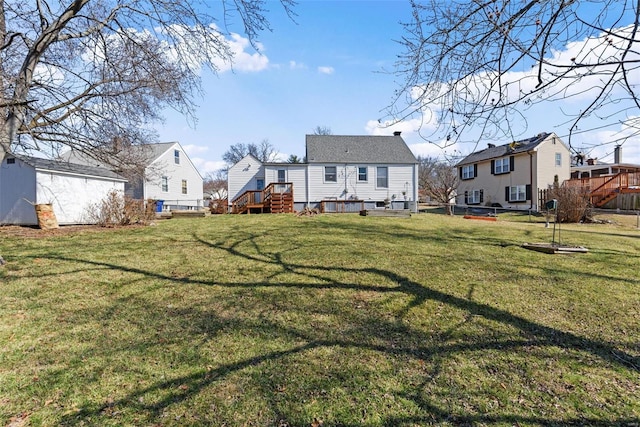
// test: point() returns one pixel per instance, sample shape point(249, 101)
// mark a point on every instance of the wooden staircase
point(277, 197)
point(604, 189)
point(281, 203)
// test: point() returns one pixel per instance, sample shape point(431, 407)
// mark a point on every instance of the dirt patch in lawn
point(65, 230)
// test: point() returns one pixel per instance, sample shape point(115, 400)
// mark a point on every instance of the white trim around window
point(474, 197)
point(502, 166)
point(363, 174)
point(468, 171)
point(518, 193)
point(330, 174)
point(382, 177)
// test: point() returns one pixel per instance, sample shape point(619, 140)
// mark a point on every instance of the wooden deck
point(277, 197)
point(603, 189)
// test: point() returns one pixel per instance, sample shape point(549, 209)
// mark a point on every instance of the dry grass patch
point(278, 319)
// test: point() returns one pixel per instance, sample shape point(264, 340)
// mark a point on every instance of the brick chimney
point(397, 133)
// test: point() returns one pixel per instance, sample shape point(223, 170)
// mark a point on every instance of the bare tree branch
point(475, 68)
point(79, 73)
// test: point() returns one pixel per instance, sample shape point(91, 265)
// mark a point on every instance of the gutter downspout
point(531, 178)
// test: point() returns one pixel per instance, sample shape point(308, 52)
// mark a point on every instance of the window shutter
point(528, 191)
point(466, 197)
point(506, 194)
point(475, 170)
point(460, 171)
point(493, 167)
point(512, 163)
point(481, 196)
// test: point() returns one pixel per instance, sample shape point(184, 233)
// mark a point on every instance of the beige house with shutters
point(510, 175)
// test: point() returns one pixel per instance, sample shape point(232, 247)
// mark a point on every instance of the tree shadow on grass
point(318, 277)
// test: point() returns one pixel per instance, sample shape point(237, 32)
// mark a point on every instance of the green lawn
point(276, 320)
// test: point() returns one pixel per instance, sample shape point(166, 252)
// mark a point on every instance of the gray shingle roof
point(516, 147)
point(68, 167)
point(358, 149)
point(146, 152)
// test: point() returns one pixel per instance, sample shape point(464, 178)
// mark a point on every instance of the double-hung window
point(468, 172)
point(184, 186)
point(518, 193)
point(282, 175)
point(164, 182)
point(501, 166)
point(558, 159)
point(474, 197)
point(176, 156)
point(382, 177)
point(362, 174)
point(330, 174)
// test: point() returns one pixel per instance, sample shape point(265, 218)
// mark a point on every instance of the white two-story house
point(376, 171)
point(161, 172)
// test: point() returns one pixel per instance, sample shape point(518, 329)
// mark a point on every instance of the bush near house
point(573, 203)
point(118, 209)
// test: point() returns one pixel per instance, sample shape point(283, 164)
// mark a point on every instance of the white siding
point(17, 185)
point(294, 173)
point(165, 165)
point(243, 176)
point(400, 178)
point(72, 195)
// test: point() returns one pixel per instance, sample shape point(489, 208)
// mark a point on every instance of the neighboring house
point(363, 171)
point(511, 175)
point(610, 185)
point(167, 175)
point(72, 189)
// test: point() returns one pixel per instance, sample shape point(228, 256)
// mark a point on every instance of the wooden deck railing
point(603, 188)
point(259, 199)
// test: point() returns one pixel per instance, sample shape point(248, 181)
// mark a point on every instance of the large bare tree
point(438, 179)
point(83, 73)
point(264, 151)
point(480, 64)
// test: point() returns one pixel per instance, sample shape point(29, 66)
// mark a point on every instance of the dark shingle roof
point(358, 149)
point(68, 167)
point(516, 147)
point(146, 153)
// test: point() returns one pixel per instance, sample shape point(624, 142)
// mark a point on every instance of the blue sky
point(332, 67)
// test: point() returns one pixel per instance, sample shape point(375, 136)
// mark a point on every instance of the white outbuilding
point(70, 188)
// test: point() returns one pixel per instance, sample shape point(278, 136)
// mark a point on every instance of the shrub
point(218, 206)
point(118, 209)
point(573, 203)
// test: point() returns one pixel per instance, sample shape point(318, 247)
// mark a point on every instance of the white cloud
point(326, 70)
point(193, 48)
point(243, 60)
point(293, 65)
point(205, 166)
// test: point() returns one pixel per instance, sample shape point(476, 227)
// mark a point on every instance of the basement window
point(11, 161)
